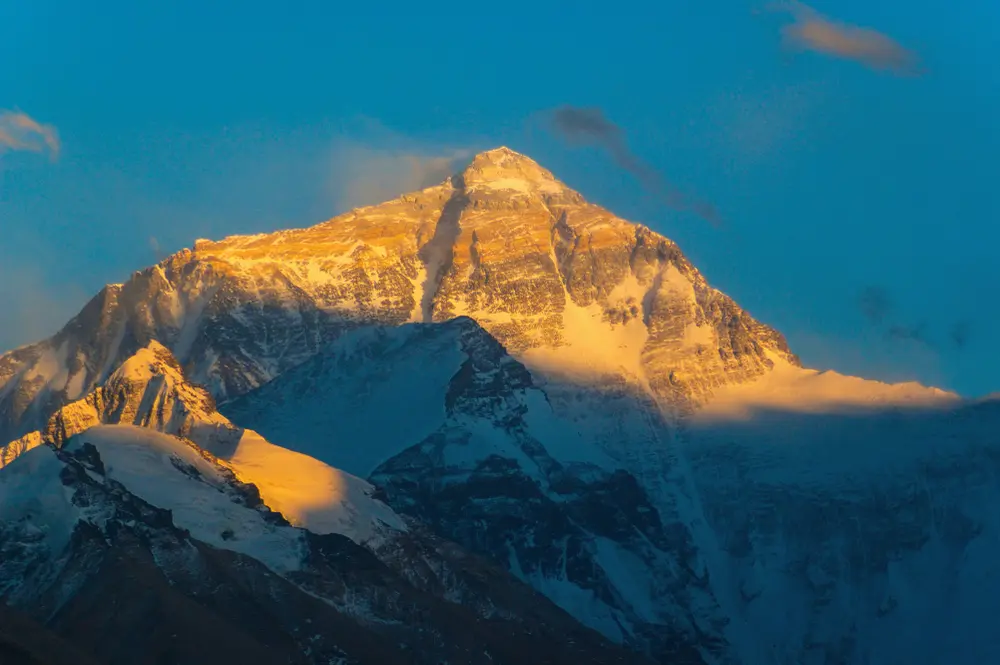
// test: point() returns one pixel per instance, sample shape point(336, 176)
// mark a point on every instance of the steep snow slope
point(169, 473)
point(311, 494)
point(856, 534)
point(396, 397)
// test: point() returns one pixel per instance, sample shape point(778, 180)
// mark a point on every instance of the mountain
point(551, 276)
point(529, 382)
point(130, 528)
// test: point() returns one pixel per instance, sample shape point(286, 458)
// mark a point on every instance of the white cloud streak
point(812, 31)
point(21, 132)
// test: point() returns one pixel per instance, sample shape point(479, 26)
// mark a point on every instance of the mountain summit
point(502, 168)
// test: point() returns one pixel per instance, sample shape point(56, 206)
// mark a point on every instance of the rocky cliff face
point(550, 275)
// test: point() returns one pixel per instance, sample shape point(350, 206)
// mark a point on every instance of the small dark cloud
point(960, 334)
point(589, 126)
point(907, 333)
point(875, 304)
point(813, 31)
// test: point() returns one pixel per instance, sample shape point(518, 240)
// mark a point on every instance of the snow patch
point(578, 602)
point(508, 184)
point(485, 440)
point(562, 439)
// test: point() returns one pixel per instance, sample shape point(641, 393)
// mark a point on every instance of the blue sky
point(833, 169)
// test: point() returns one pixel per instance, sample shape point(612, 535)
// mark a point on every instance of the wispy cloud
point(19, 131)
point(33, 306)
point(366, 176)
point(589, 126)
point(874, 303)
point(813, 31)
point(960, 333)
point(877, 307)
point(154, 244)
point(909, 333)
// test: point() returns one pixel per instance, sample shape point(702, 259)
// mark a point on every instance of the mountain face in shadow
point(509, 400)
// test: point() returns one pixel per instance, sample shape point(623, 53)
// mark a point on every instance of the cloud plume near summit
point(365, 175)
point(19, 131)
point(589, 126)
point(812, 31)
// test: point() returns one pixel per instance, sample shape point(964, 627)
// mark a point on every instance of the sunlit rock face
point(551, 276)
